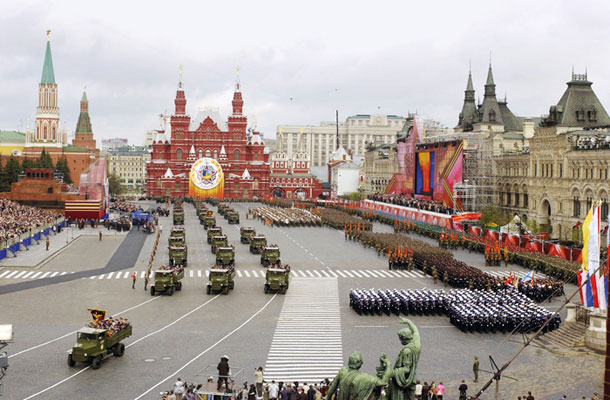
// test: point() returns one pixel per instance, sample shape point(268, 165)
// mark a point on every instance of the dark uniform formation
point(504, 310)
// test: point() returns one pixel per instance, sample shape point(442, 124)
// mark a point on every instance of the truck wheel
point(170, 291)
point(283, 290)
point(232, 285)
point(178, 286)
point(266, 289)
point(119, 350)
point(152, 290)
point(97, 362)
point(225, 290)
point(208, 289)
point(71, 361)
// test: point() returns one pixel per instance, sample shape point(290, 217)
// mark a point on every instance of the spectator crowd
point(405, 201)
point(17, 219)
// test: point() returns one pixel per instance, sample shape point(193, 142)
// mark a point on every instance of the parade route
point(304, 335)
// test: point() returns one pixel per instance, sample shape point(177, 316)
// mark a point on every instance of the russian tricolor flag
point(592, 279)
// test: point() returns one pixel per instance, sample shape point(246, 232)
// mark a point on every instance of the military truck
point(270, 255)
point(93, 345)
point(217, 230)
point(257, 243)
point(209, 222)
point(225, 255)
point(221, 280)
point(246, 233)
point(219, 241)
point(179, 218)
point(177, 232)
point(222, 209)
point(233, 217)
point(277, 280)
point(178, 254)
point(167, 280)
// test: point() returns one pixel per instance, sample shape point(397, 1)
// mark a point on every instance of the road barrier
point(23, 241)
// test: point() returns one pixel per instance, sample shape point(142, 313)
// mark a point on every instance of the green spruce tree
point(62, 168)
point(28, 163)
point(10, 174)
point(45, 160)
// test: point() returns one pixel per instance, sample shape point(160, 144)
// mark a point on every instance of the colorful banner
point(424, 175)
point(206, 179)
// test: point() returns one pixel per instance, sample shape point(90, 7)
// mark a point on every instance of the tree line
point(10, 171)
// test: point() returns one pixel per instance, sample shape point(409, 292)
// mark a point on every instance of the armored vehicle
point(219, 241)
point(246, 233)
point(179, 218)
point(257, 243)
point(94, 345)
point(213, 232)
point(222, 209)
point(178, 254)
point(277, 280)
point(209, 222)
point(221, 279)
point(233, 217)
point(270, 255)
point(167, 280)
point(225, 255)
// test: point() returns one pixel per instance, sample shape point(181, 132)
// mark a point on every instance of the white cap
point(225, 356)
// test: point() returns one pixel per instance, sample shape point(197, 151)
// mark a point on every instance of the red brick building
point(47, 134)
point(245, 163)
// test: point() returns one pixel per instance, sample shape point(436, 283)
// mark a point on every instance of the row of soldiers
point(506, 310)
point(494, 255)
point(340, 219)
point(286, 216)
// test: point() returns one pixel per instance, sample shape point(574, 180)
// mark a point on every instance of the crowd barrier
point(16, 244)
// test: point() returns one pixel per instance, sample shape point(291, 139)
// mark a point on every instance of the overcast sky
point(299, 60)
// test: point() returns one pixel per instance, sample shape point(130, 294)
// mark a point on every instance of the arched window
point(236, 155)
point(179, 154)
point(200, 153)
point(215, 154)
point(45, 132)
point(54, 136)
point(492, 116)
point(208, 153)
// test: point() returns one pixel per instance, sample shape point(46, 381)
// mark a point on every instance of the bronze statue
point(403, 379)
point(355, 385)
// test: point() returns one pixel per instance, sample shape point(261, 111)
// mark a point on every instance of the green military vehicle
point(177, 234)
point(246, 233)
point(257, 243)
point(222, 209)
point(219, 241)
point(277, 280)
point(167, 280)
point(221, 280)
point(209, 221)
point(179, 218)
point(225, 255)
point(178, 254)
point(217, 230)
point(270, 255)
point(94, 345)
point(233, 217)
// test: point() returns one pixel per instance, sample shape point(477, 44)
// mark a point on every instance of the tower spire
point(237, 80)
point(48, 76)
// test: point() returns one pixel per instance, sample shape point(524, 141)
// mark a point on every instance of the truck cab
point(257, 243)
point(246, 233)
point(219, 241)
point(213, 232)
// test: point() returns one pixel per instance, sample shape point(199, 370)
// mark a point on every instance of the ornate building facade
point(291, 176)
point(243, 159)
point(47, 133)
point(567, 165)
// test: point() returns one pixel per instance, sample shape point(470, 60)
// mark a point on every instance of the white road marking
point(73, 332)
point(44, 275)
point(198, 273)
point(4, 273)
point(53, 274)
point(247, 274)
point(239, 274)
point(305, 348)
point(255, 274)
point(110, 275)
point(356, 273)
point(191, 274)
point(348, 273)
point(101, 276)
point(208, 349)
point(28, 274)
point(129, 345)
point(20, 274)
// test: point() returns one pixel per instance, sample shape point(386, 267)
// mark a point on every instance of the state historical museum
point(208, 157)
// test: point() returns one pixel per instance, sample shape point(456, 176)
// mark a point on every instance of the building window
point(200, 153)
point(492, 116)
point(215, 154)
point(604, 209)
point(525, 200)
point(508, 198)
point(208, 153)
point(177, 186)
point(576, 207)
point(179, 154)
point(580, 115)
point(236, 155)
point(517, 199)
point(589, 203)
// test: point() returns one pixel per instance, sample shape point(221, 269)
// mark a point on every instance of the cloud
point(299, 61)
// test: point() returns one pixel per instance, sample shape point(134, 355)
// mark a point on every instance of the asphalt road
point(185, 334)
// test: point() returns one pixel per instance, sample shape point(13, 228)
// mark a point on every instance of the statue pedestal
point(595, 335)
point(571, 308)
